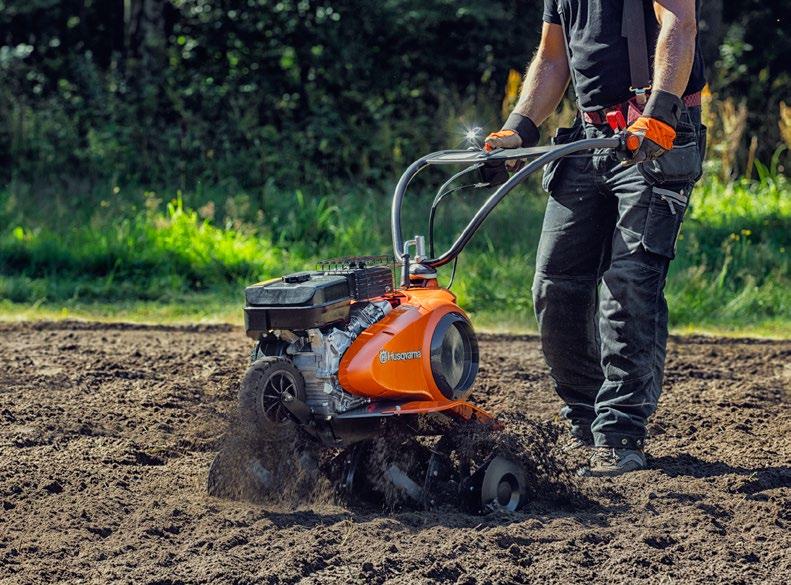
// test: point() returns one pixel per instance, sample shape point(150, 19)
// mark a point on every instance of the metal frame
point(545, 154)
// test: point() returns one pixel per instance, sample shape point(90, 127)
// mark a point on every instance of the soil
point(107, 433)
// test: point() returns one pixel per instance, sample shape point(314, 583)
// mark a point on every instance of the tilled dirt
point(107, 432)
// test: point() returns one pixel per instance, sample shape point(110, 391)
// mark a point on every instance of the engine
point(312, 318)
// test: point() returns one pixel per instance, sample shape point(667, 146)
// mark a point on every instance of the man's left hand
point(655, 138)
point(656, 128)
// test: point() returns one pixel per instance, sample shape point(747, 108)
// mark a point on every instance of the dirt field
point(107, 431)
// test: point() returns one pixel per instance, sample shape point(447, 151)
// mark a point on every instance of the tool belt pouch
point(552, 170)
point(683, 162)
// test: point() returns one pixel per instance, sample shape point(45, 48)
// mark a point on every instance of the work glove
point(655, 130)
point(518, 131)
point(502, 139)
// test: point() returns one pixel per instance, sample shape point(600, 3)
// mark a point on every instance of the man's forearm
point(655, 129)
point(546, 79)
point(544, 86)
point(675, 47)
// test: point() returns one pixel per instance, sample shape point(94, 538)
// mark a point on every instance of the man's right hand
point(517, 131)
point(502, 139)
point(505, 139)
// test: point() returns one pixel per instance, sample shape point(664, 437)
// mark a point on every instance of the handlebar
point(545, 154)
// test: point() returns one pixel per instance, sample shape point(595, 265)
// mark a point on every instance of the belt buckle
point(640, 94)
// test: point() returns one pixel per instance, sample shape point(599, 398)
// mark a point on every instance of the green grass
point(134, 259)
point(217, 308)
point(192, 308)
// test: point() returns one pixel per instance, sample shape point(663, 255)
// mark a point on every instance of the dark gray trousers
point(608, 236)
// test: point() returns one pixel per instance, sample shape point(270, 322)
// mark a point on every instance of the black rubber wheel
point(266, 384)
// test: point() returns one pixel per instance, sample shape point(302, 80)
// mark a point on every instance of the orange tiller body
point(388, 360)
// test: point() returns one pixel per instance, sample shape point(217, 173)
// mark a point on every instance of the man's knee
point(631, 319)
point(565, 309)
point(563, 305)
point(562, 296)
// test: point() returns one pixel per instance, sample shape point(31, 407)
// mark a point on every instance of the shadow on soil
point(759, 479)
point(415, 519)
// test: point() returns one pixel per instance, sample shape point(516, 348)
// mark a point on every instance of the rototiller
point(349, 358)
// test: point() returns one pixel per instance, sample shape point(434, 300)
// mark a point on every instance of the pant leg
point(632, 309)
point(578, 223)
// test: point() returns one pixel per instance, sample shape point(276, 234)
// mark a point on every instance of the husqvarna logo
point(391, 356)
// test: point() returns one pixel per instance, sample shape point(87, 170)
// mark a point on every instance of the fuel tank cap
point(297, 277)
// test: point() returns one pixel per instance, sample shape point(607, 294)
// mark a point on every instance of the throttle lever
point(616, 120)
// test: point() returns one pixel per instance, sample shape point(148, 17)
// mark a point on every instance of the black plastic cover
point(308, 289)
point(307, 300)
point(296, 302)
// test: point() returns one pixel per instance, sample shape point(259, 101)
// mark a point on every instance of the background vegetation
point(155, 155)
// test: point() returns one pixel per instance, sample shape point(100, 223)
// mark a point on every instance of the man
point(611, 221)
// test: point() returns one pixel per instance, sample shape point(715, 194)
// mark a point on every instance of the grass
point(217, 308)
point(133, 258)
point(193, 308)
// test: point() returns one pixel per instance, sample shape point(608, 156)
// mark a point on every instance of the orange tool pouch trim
point(654, 130)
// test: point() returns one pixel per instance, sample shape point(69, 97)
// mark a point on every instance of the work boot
point(608, 462)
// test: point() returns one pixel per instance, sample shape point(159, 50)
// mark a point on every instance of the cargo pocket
point(663, 221)
point(682, 163)
point(553, 170)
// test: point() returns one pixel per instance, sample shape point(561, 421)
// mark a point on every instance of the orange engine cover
point(392, 358)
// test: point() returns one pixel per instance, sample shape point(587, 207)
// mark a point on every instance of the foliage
point(732, 269)
point(149, 256)
point(189, 93)
point(753, 61)
point(277, 127)
point(735, 265)
point(193, 90)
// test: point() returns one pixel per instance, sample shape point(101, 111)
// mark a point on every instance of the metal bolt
point(624, 441)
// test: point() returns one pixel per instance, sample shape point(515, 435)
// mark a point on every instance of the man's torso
point(599, 54)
